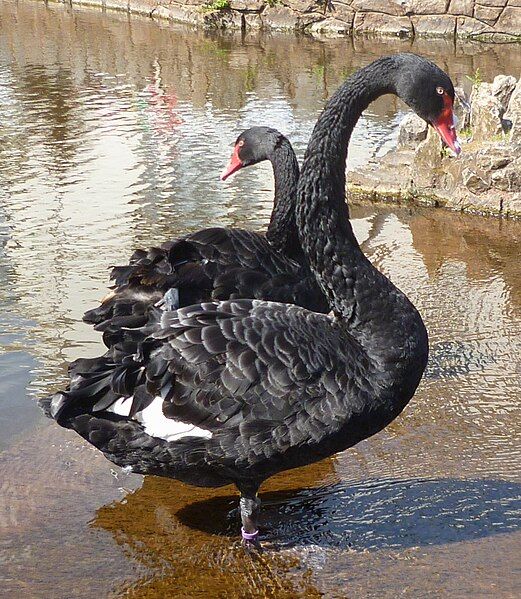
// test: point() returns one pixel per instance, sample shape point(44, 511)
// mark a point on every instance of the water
point(112, 134)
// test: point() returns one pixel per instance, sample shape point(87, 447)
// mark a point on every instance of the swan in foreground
point(232, 392)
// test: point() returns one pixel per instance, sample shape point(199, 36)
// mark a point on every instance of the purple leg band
point(249, 536)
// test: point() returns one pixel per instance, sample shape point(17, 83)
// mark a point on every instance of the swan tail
point(140, 283)
point(125, 443)
point(87, 378)
point(45, 405)
point(97, 387)
point(145, 265)
point(97, 383)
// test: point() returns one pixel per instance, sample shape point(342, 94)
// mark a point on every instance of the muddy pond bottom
point(113, 132)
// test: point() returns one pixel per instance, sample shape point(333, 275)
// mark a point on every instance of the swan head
point(252, 146)
point(428, 90)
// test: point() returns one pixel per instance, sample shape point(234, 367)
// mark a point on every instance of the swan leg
point(250, 508)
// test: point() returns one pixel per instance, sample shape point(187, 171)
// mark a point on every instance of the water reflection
point(112, 135)
point(197, 559)
point(172, 531)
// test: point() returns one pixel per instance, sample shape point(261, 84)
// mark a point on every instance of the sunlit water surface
point(112, 135)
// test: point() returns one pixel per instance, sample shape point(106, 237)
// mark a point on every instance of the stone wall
point(487, 20)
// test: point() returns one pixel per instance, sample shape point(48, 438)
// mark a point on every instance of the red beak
point(233, 166)
point(446, 127)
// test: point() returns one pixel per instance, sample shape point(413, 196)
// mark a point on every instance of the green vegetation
point(502, 137)
point(476, 79)
point(217, 5)
point(465, 133)
point(272, 3)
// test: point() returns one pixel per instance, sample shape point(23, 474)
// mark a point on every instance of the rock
point(503, 87)
point(412, 130)
point(280, 17)
point(500, 3)
point(489, 14)
point(513, 113)
point(140, 7)
point(183, 3)
point(467, 26)
point(461, 7)
point(389, 7)
point(462, 109)
point(513, 110)
point(177, 12)
point(474, 182)
point(303, 5)
point(494, 157)
point(343, 13)
point(253, 21)
point(508, 178)
point(116, 4)
point(485, 178)
point(330, 26)
point(283, 17)
point(512, 205)
point(510, 21)
point(307, 19)
point(487, 112)
point(428, 156)
point(434, 25)
point(426, 7)
point(247, 5)
point(372, 22)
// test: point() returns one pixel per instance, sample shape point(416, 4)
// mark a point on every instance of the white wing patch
point(156, 424)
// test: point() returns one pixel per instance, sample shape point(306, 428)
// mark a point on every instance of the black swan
point(243, 389)
point(221, 262)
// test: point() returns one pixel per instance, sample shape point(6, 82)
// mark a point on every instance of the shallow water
point(112, 135)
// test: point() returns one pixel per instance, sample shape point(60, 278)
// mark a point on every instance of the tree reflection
point(50, 100)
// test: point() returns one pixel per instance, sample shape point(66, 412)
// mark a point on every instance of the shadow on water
point(380, 514)
point(373, 515)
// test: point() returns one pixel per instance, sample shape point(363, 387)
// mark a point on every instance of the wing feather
point(265, 374)
point(212, 264)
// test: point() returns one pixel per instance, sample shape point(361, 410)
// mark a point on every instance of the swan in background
point(220, 262)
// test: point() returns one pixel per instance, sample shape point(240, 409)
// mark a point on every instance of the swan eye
point(241, 143)
point(440, 91)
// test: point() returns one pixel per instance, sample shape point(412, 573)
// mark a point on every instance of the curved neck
point(282, 231)
point(373, 309)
